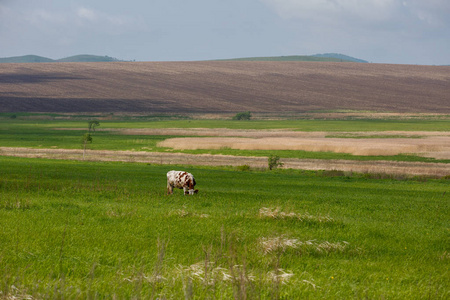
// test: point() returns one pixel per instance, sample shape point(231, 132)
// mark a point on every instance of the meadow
point(74, 229)
point(110, 135)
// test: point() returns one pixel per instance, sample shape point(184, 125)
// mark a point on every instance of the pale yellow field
point(428, 144)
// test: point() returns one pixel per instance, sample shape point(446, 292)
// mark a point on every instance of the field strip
point(387, 167)
point(439, 146)
point(263, 133)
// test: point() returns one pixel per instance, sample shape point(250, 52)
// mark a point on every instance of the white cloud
point(86, 13)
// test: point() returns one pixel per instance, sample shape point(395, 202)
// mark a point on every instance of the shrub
point(243, 168)
point(243, 116)
point(274, 162)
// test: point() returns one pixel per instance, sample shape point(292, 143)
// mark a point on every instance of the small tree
point(87, 139)
point(92, 125)
point(243, 116)
point(274, 162)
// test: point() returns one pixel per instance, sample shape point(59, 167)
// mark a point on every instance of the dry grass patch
point(275, 213)
point(209, 273)
point(282, 244)
point(12, 293)
point(355, 146)
point(182, 212)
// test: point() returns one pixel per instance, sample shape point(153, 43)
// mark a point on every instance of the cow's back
point(180, 179)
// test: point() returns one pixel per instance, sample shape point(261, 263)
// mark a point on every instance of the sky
point(379, 31)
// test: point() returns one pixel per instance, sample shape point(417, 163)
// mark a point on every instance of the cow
point(181, 180)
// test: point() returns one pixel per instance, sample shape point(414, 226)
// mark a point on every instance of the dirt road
point(386, 167)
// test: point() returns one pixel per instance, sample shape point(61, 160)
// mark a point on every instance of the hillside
point(25, 59)
point(328, 57)
point(87, 58)
point(317, 57)
point(341, 57)
point(40, 59)
point(219, 86)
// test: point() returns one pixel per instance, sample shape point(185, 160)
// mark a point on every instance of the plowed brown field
point(205, 87)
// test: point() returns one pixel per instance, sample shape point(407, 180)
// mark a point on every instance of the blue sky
point(380, 31)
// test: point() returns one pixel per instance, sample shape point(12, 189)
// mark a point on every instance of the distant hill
point(327, 57)
point(40, 59)
point(340, 57)
point(87, 58)
point(25, 59)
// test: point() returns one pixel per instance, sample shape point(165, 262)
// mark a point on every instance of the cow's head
point(191, 192)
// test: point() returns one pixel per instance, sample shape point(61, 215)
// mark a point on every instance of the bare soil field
point(223, 87)
point(378, 167)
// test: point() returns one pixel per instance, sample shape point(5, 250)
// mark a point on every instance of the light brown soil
point(386, 167)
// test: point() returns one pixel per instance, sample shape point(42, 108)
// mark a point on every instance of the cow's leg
point(186, 190)
point(169, 189)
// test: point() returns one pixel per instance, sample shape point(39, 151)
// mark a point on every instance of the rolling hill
point(26, 59)
point(223, 87)
point(341, 57)
point(327, 57)
point(40, 59)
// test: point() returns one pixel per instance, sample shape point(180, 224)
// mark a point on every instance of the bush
point(243, 116)
point(243, 168)
point(274, 162)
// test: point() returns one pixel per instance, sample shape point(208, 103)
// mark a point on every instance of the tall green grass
point(107, 230)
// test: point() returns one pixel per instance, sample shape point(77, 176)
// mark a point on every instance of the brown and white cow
point(181, 180)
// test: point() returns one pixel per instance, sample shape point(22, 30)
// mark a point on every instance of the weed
point(243, 168)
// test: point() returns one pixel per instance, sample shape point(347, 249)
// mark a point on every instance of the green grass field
point(300, 124)
point(78, 230)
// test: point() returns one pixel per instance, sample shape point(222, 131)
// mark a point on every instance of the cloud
point(369, 13)
point(75, 17)
point(56, 29)
point(99, 17)
point(85, 13)
point(372, 9)
point(432, 12)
